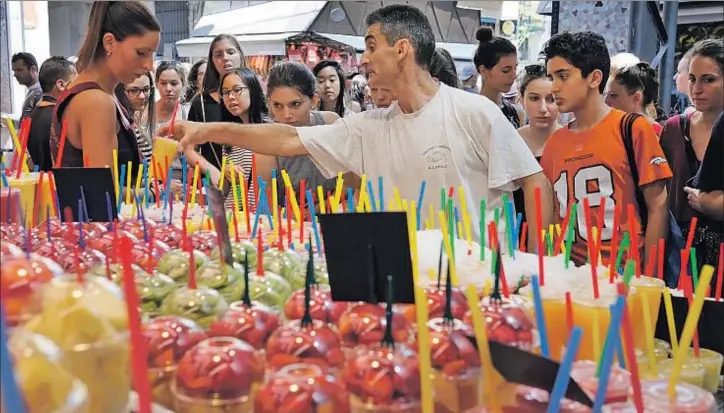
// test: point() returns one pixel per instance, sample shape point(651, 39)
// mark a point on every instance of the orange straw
point(569, 312)
point(523, 233)
point(564, 229)
point(61, 145)
point(649, 272)
point(36, 204)
point(53, 194)
point(24, 134)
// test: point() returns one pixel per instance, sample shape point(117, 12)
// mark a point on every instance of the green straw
point(571, 233)
point(694, 267)
point(629, 272)
point(451, 226)
point(442, 199)
point(625, 243)
point(549, 243)
point(482, 230)
point(508, 238)
point(496, 217)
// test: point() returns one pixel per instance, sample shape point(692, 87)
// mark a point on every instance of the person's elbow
point(656, 197)
point(291, 143)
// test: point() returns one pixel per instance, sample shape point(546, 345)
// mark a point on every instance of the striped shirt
point(242, 159)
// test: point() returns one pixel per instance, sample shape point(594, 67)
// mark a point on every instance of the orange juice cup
point(692, 373)
point(652, 288)
point(712, 362)
point(26, 185)
point(164, 148)
point(9, 206)
point(556, 326)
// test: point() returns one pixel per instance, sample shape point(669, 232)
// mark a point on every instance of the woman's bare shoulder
point(93, 102)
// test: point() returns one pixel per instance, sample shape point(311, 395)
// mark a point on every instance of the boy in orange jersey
point(587, 158)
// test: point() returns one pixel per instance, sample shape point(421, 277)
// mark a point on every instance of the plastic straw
point(22, 163)
point(540, 317)
point(371, 193)
point(649, 333)
point(510, 227)
point(591, 248)
point(490, 376)
point(564, 371)
point(381, 193)
point(719, 273)
point(692, 320)
point(669, 310)
point(569, 312)
point(315, 228)
point(447, 241)
point(571, 233)
point(605, 365)
point(631, 353)
point(36, 203)
point(539, 228)
point(694, 267)
point(119, 200)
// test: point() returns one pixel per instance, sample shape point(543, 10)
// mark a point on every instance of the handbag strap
point(626, 131)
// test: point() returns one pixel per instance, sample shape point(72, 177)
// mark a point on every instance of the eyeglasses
point(236, 92)
point(136, 91)
point(535, 70)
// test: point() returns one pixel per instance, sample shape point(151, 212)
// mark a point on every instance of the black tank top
point(511, 113)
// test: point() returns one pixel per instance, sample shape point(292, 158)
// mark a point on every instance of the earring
point(108, 53)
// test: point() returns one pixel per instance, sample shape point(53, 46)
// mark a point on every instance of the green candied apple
point(277, 283)
point(175, 264)
point(239, 251)
point(225, 279)
point(152, 289)
point(116, 271)
point(43, 377)
point(200, 304)
point(261, 291)
point(281, 262)
point(297, 277)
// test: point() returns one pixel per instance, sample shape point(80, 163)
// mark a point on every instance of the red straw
point(720, 273)
point(450, 192)
point(660, 263)
point(24, 133)
point(631, 353)
point(592, 253)
point(61, 145)
point(687, 249)
point(612, 271)
point(173, 120)
point(53, 193)
point(36, 204)
point(539, 229)
point(503, 280)
point(201, 193)
point(302, 197)
point(569, 312)
point(564, 230)
point(259, 252)
point(601, 224)
point(634, 251)
point(139, 351)
point(192, 261)
point(523, 235)
point(650, 262)
point(289, 217)
point(280, 228)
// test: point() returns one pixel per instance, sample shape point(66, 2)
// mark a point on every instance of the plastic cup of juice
point(712, 362)
point(692, 373)
point(619, 382)
point(642, 362)
point(688, 398)
point(164, 148)
point(584, 312)
point(10, 205)
point(556, 326)
point(662, 349)
point(26, 185)
point(652, 288)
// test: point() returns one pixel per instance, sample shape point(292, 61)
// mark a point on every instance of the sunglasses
point(536, 70)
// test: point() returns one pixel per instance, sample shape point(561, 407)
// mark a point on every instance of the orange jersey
point(593, 165)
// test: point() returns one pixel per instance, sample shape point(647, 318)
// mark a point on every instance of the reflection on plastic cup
point(10, 211)
point(358, 406)
point(692, 373)
point(164, 148)
point(652, 288)
point(712, 362)
point(619, 383)
point(688, 398)
point(187, 404)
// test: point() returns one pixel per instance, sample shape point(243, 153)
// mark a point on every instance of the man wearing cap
point(469, 79)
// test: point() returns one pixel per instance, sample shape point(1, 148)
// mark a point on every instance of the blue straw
point(12, 397)
point(564, 371)
point(518, 227)
point(313, 213)
point(168, 187)
point(420, 200)
point(264, 203)
point(619, 347)
point(183, 175)
point(381, 191)
point(612, 339)
point(36, 168)
point(5, 178)
point(256, 217)
point(109, 209)
point(146, 194)
point(120, 187)
point(81, 238)
point(350, 200)
point(457, 219)
point(371, 193)
point(142, 217)
point(170, 213)
point(510, 220)
point(85, 205)
point(540, 318)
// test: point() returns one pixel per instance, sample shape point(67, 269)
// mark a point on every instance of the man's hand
point(694, 198)
point(187, 133)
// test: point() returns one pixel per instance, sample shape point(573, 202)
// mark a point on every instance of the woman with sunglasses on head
point(633, 89)
point(195, 80)
point(121, 40)
point(139, 99)
point(331, 87)
point(542, 113)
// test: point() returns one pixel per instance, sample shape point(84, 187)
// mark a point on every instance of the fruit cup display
point(43, 377)
point(302, 388)
point(298, 274)
point(168, 338)
point(175, 264)
point(152, 290)
point(20, 279)
point(71, 233)
point(456, 364)
point(89, 322)
point(240, 251)
point(146, 257)
point(365, 323)
point(217, 375)
point(318, 343)
point(383, 380)
point(530, 399)
point(225, 279)
point(204, 241)
point(52, 248)
point(507, 322)
point(135, 227)
point(278, 285)
point(200, 304)
point(81, 261)
point(619, 382)
point(687, 398)
point(282, 262)
point(436, 304)
point(253, 325)
point(106, 242)
point(321, 305)
point(169, 234)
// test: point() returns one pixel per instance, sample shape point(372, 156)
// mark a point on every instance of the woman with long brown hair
point(121, 40)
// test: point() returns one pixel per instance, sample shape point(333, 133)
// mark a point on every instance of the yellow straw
point(431, 274)
point(670, 321)
point(404, 205)
point(692, 319)
point(487, 287)
point(491, 378)
point(448, 248)
point(431, 217)
point(398, 199)
point(194, 184)
point(128, 181)
point(275, 202)
point(138, 187)
point(16, 143)
point(322, 200)
point(466, 217)
point(362, 194)
point(223, 173)
point(596, 336)
point(393, 206)
point(338, 189)
point(116, 185)
point(234, 195)
point(293, 196)
point(460, 229)
point(648, 332)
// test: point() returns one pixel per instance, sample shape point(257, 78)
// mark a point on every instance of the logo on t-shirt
point(437, 157)
point(657, 160)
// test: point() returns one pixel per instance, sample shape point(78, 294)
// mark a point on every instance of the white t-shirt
point(456, 139)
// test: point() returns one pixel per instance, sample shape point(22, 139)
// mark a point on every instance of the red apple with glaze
point(10, 230)
point(81, 261)
point(107, 241)
point(168, 338)
point(169, 234)
point(507, 322)
point(204, 241)
point(383, 376)
point(8, 250)
point(318, 344)
point(253, 324)
point(135, 227)
point(436, 304)
point(321, 305)
point(451, 349)
point(302, 388)
point(219, 368)
point(19, 279)
point(71, 232)
point(141, 256)
point(365, 323)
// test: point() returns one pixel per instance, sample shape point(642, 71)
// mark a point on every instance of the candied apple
point(436, 304)
point(507, 322)
point(365, 323)
point(318, 343)
point(253, 324)
point(321, 305)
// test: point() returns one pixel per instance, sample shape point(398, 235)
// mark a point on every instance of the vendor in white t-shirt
point(445, 136)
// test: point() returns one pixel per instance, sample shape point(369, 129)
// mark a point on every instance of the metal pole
point(555, 16)
point(666, 71)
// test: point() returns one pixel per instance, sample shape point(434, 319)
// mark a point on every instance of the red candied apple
point(10, 230)
point(140, 255)
point(507, 322)
point(219, 367)
point(318, 344)
point(20, 278)
point(168, 338)
point(169, 234)
point(321, 305)
point(252, 324)
point(56, 227)
point(436, 304)
point(204, 241)
point(9, 251)
point(71, 232)
point(107, 241)
point(383, 376)
point(365, 323)
point(21, 238)
point(81, 261)
point(302, 388)
point(135, 227)
point(452, 351)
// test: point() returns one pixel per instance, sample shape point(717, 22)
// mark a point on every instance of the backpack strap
point(626, 131)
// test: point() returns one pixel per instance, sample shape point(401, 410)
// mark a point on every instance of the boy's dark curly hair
point(586, 51)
